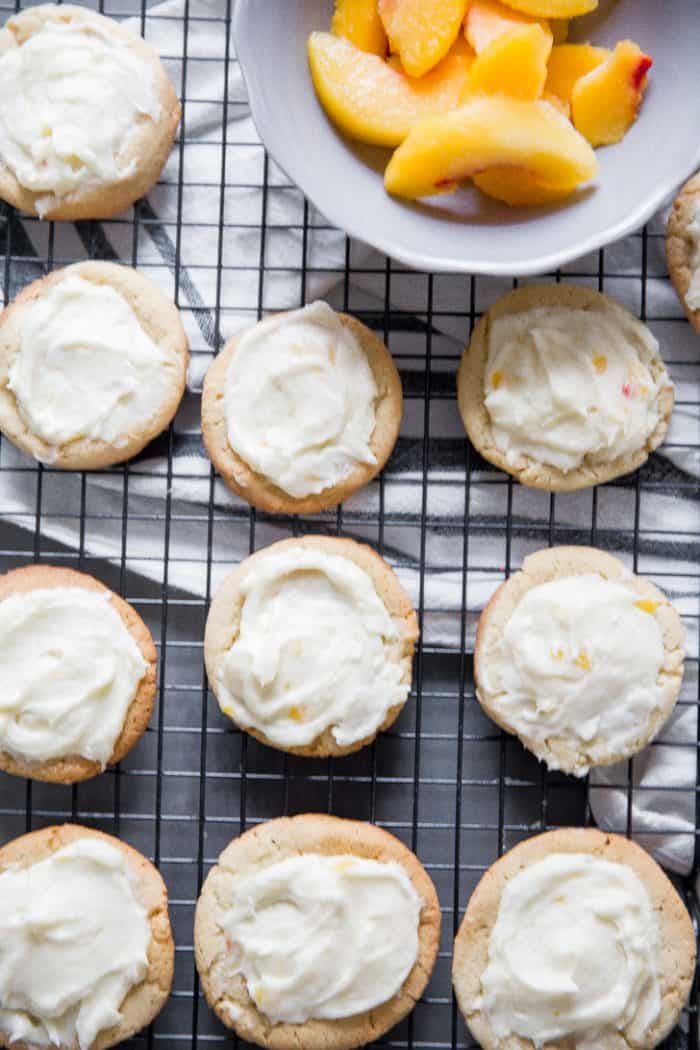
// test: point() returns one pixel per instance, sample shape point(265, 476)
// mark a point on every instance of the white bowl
point(466, 232)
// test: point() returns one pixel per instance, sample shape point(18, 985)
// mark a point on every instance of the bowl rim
point(416, 260)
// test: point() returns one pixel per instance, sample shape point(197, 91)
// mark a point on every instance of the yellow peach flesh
point(568, 63)
point(373, 102)
point(358, 21)
point(518, 187)
point(489, 131)
point(487, 19)
point(514, 64)
point(421, 32)
point(605, 102)
point(553, 8)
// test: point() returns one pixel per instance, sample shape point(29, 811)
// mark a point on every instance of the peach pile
point(483, 90)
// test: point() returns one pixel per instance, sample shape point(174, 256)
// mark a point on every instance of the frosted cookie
point(579, 658)
point(309, 645)
point(315, 932)
point(93, 363)
point(87, 114)
point(301, 410)
point(77, 675)
point(574, 939)
point(683, 248)
point(86, 949)
point(563, 388)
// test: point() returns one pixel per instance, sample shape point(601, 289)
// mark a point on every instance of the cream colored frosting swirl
point(317, 649)
point(85, 367)
point(564, 385)
point(71, 97)
point(579, 661)
point(74, 940)
point(322, 937)
point(69, 670)
point(299, 401)
point(573, 954)
point(692, 296)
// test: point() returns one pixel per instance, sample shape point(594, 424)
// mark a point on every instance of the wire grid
point(444, 779)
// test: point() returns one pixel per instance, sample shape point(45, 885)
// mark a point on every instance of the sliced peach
point(568, 63)
point(373, 102)
point(487, 19)
point(514, 63)
point(421, 32)
point(605, 102)
point(518, 186)
point(553, 8)
point(489, 131)
point(560, 29)
point(358, 21)
point(460, 49)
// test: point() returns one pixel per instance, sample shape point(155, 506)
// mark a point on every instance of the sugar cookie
point(86, 945)
point(574, 939)
point(357, 899)
point(77, 675)
point(309, 645)
point(563, 388)
point(302, 410)
point(683, 248)
point(87, 114)
point(93, 363)
point(579, 658)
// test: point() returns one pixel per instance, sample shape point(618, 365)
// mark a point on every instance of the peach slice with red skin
point(605, 102)
point(489, 131)
point(358, 21)
point(370, 100)
point(553, 8)
point(487, 19)
point(421, 32)
point(514, 64)
point(568, 63)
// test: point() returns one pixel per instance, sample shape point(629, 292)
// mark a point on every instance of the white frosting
point(316, 650)
point(299, 401)
point(322, 937)
point(69, 669)
point(692, 296)
point(573, 954)
point(579, 661)
point(73, 941)
point(71, 98)
point(85, 367)
point(563, 385)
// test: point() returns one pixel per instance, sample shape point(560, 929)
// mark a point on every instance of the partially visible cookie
point(683, 248)
point(48, 708)
point(82, 139)
point(309, 645)
point(83, 946)
point(302, 410)
point(579, 658)
point(563, 388)
point(93, 364)
point(353, 949)
point(574, 938)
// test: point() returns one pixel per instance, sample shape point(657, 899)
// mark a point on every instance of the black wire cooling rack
point(232, 239)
